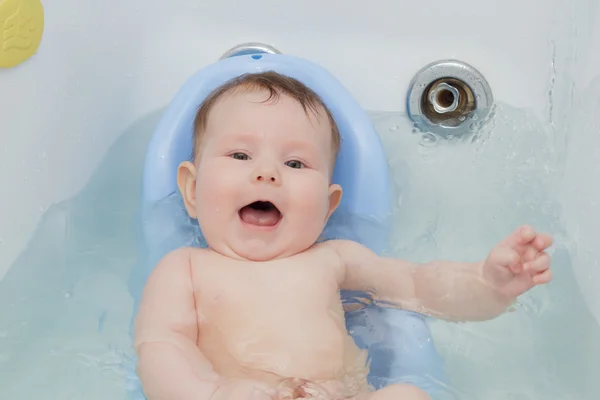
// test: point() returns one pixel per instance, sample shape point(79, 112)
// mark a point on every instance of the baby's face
point(262, 177)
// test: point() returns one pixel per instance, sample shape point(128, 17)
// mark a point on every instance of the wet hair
point(276, 84)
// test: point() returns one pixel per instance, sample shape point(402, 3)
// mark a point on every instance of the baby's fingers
point(530, 254)
point(540, 264)
point(543, 277)
point(542, 242)
point(520, 236)
point(539, 244)
point(506, 257)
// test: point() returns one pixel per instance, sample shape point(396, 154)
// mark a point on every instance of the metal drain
point(445, 97)
point(249, 48)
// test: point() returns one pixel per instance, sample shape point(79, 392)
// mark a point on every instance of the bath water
point(460, 197)
point(65, 306)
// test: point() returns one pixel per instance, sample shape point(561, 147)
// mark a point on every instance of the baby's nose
point(267, 177)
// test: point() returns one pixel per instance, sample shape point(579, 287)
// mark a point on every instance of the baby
point(258, 315)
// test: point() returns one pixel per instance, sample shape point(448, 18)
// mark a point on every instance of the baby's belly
point(315, 349)
point(276, 323)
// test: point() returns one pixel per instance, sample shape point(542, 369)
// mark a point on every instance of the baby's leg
point(399, 392)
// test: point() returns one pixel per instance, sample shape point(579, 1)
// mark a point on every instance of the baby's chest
point(264, 292)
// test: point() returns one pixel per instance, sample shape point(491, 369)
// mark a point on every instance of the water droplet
point(462, 118)
point(394, 128)
point(67, 294)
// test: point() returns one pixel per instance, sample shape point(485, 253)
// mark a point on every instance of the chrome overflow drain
point(445, 97)
point(249, 48)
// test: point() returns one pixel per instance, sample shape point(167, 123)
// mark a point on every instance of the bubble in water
point(428, 140)
point(415, 128)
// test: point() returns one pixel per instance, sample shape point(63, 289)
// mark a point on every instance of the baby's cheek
point(210, 200)
point(315, 207)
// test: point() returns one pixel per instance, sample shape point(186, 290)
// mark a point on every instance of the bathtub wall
point(102, 66)
point(580, 188)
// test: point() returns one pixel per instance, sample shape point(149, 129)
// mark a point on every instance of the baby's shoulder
point(204, 259)
point(350, 252)
point(197, 254)
point(181, 260)
point(325, 251)
point(343, 248)
point(337, 253)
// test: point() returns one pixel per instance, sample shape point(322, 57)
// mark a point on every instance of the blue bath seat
point(399, 343)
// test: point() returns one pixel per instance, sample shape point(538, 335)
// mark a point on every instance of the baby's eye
point(294, 164)
point(240, 156)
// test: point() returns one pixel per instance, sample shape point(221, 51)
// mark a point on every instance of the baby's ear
point(186, 180)
point(335, 197)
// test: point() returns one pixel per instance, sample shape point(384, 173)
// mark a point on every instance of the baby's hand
point(300, 389)
point(519, 262)
point(242, 389)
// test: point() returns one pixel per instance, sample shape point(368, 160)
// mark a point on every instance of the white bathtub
point(102, 66)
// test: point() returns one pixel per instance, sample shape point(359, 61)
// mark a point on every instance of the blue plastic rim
point(406, 353)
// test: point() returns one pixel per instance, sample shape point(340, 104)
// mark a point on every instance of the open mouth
point(260, 213)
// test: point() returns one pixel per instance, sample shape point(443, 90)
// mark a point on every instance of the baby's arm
point(451, 290)
point(170, 364)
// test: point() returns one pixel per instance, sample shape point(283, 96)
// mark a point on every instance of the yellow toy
point(21, 27)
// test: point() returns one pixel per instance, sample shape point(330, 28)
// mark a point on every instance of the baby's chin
point(257, 250)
